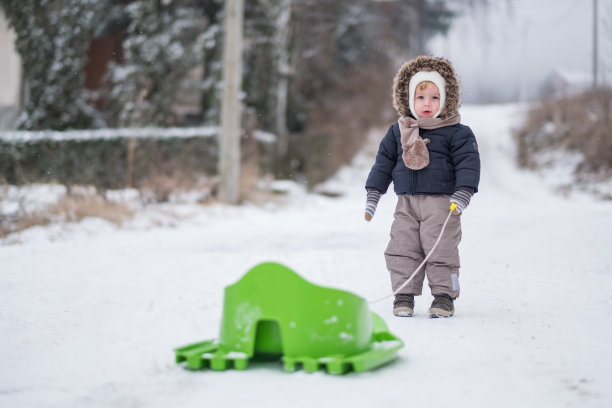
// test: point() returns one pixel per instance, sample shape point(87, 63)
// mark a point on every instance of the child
point(432, 160)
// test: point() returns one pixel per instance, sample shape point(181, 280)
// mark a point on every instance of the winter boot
point(442, 306)
point(403, 305)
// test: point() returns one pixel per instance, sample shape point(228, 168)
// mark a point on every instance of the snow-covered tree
point(52, 39)
point(164, 41)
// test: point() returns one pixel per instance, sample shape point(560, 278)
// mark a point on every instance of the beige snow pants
point(415, 229)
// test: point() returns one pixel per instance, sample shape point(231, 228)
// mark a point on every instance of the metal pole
point(525, 61)
point(595, 39)
point(229, 155)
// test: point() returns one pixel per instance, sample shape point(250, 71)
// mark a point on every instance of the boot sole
point(403, 311)
point(435, 313)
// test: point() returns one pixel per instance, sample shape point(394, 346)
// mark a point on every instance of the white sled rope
point(452, 208)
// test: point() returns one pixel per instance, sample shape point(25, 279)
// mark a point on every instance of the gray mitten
point(371, 203)
point(462, 197)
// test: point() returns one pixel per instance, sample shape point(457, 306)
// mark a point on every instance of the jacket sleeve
point(381, 173)
point(466, 159)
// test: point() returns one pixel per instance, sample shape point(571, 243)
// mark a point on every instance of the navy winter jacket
point(454, 162)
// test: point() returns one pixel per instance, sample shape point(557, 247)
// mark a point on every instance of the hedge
point(102, 157)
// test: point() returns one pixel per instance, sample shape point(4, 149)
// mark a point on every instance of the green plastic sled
point(274, 313)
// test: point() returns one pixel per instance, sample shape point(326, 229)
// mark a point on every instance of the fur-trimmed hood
point(401, 96)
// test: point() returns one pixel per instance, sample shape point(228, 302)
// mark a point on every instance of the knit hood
point(401, 82)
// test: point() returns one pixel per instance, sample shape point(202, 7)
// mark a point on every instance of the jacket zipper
point(413, 177)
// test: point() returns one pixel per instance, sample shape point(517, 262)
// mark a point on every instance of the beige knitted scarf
point(416, 155)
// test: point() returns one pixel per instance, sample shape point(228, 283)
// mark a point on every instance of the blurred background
point(116, 94)
point(527, 50)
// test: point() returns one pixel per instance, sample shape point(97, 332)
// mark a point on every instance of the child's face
point(427, 101)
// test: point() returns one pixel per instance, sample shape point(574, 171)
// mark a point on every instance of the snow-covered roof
point(573, 77)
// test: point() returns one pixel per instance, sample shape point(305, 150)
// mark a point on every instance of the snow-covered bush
point(22, 207)
point(573, 131)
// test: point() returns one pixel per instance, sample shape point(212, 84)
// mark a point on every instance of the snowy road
point(90, 314)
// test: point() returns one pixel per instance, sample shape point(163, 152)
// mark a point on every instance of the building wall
point(10, 75)
point(10, 65)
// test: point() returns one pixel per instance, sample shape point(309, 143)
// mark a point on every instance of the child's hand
point(371, 203)
point(462, 198)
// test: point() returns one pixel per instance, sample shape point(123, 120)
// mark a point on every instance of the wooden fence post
point(231, 112)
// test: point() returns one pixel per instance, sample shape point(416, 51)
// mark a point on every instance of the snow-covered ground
point(90, 313)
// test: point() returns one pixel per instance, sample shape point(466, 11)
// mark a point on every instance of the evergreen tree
point(52, 39)
point(164, 42)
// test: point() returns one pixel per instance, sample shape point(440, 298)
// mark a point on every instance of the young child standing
point(433, 160)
